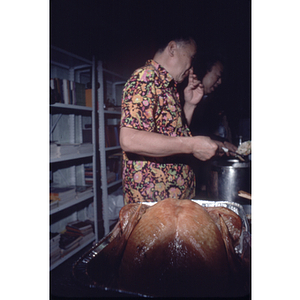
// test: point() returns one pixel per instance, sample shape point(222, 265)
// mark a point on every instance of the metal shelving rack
point(65, 123)
point(111, 84)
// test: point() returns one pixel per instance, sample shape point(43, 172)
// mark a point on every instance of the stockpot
point(227, 177)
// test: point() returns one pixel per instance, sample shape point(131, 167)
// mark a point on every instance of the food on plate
point(244, 148)
point(175, 248)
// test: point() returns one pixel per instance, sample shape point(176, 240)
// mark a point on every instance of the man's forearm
point(188, 110)
point(158, 145)
point(152, 144)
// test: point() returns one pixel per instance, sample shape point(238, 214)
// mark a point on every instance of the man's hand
point(204, 147)
point(230, 146)
point(194, 91)
point(227, 145)
point(158, 145)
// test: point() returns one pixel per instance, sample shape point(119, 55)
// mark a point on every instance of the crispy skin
point(127, 216)
point(231, 219)
point(175, 249)
point(110, 258)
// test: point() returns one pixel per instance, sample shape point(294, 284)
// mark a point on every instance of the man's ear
point(171, 48)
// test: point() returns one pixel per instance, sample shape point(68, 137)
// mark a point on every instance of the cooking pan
point(227, 177)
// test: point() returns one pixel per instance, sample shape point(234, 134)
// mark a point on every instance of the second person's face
point(213, 78)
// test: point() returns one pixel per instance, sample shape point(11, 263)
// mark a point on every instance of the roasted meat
point(174, 248)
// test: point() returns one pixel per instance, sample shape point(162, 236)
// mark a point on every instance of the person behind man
point(153, 136)
point(209, 115)
point(209, 118)
point(212, 76)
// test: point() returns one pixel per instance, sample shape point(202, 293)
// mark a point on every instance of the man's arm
point(157, 145)
point(193, 94)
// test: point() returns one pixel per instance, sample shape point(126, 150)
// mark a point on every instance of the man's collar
point(168, 80)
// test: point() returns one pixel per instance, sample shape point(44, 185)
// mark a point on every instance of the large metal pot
point(227, 177)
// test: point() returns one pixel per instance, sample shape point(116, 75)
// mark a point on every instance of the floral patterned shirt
point(151, 103)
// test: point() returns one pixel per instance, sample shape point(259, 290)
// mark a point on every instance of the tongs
point(235, 153)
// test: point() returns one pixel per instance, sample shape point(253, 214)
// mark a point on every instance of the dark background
point(123, 34)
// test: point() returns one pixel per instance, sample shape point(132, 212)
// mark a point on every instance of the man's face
point(184, 56)
point(213, 78)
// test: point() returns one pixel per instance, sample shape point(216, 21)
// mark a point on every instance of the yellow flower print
point(138, 177)
point(149, 190)
point(158, 173)
point(144, 74)
point(185, 171)
point(159, 186)
point(137, 99)
point(148, 113)
point(174, 193)
point(158, 91)
point(138, 165)
point(137, 196)
point(174, 123)
point(172, 108)
point(179, 123)
point(152, 89)
point(170, 178)
point(144, 87)
point(180, 181)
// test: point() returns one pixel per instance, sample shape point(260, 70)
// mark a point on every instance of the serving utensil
point(235, 153)
point(244, 194)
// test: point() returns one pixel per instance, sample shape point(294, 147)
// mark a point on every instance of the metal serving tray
point(239, 210)
point(80, 268)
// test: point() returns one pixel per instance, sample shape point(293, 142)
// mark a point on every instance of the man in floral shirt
point(154, 138)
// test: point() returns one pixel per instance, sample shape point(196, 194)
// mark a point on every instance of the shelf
point(108, 122)
point(112, 112)
point(71, 106)
point(68, 59)
point(70, 157)
point(71, 203)
point(113, 148)
point(73, 142)
point(114, 183)
point(67, 256)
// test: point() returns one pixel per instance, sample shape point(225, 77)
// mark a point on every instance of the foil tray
point(239, 210)
point(80, 267)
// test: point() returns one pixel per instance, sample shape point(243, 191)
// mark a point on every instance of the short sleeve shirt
point(151, 103)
